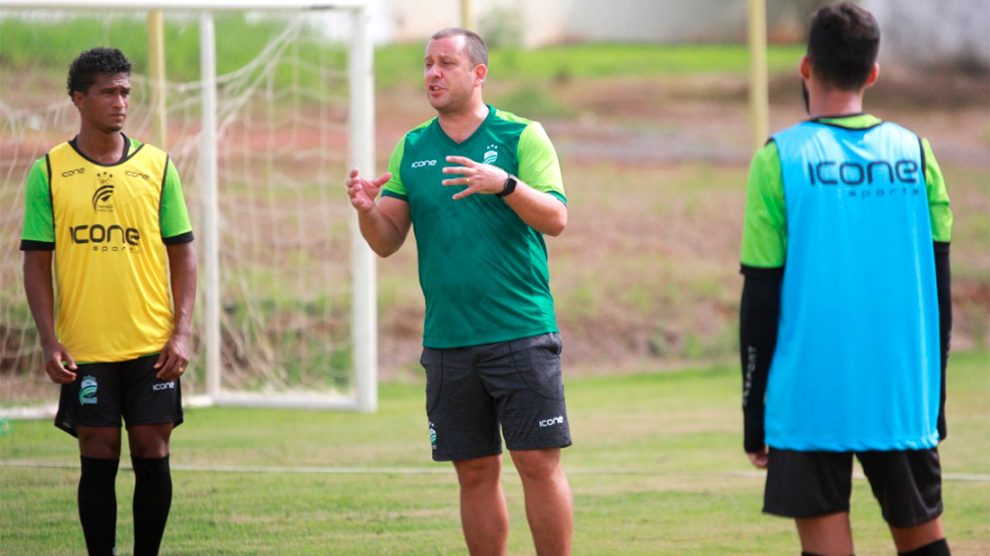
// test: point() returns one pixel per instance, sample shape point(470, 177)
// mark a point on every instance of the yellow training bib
point(111, 267)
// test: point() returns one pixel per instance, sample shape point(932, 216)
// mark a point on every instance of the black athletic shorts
point(908, 484)
point(517, 384)
point(104, 392)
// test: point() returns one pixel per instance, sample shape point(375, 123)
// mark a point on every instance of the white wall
point(915, 32)
point(933, 32)
point(544, 22)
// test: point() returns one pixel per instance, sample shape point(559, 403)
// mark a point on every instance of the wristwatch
point(509, 187)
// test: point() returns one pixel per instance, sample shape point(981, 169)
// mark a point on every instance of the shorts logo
point(87, 390)
point(558, 420)
point(422, 163)
point(491, 155)
point(158, 387)
point(433, 436)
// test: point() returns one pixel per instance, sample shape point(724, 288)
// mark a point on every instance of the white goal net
point(285, 311)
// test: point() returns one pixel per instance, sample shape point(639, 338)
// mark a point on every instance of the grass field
point(656, 468)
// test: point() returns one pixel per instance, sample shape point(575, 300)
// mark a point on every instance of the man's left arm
point(538, 198)
point(182, 275)
point(177, 236)
point(940, 213)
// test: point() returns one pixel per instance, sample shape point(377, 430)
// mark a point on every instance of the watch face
point(510, 186)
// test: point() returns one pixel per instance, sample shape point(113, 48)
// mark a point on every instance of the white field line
point(439, 470)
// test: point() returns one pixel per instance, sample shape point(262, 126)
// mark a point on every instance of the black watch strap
point(509, 187)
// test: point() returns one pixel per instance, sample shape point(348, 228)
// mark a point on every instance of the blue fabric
point(856, 366)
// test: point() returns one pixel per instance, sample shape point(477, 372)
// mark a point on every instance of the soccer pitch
point(656, 468)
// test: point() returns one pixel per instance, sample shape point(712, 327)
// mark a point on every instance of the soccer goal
point(263, 106)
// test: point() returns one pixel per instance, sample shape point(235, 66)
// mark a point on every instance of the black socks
point(937, 548)
point(152, 500)
point(98, 504)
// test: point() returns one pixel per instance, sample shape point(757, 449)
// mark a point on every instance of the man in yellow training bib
point(109, 211)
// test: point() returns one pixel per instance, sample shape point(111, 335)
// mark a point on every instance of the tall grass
point(50, 43)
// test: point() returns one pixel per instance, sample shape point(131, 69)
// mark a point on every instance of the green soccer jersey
point(482, 269)
point(764, 243)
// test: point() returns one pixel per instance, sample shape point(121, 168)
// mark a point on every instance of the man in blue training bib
point(480, 188)
point(845, 313)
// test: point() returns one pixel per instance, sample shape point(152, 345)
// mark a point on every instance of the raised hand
point(363, 191)
point(478, 177)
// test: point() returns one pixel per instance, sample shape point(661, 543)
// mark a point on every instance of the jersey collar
point(475, 133)
point(128, 151)
point(859, 120)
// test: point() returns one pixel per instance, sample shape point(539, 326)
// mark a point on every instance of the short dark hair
point(83, 70)
point(476, 50)
point(842, 45)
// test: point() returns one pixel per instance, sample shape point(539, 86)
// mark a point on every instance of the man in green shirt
point(481, 187)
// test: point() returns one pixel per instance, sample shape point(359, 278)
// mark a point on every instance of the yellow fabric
point(111, 267)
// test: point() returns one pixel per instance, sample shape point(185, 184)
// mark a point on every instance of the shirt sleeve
point(764, 238)
point(394, 187)
point(174, 218)
point(938, 197)
point(38, 232)
point(539, 166)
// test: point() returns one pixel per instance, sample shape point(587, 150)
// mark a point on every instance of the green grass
point(656, 468)
point(52, 43)
point(398, 64)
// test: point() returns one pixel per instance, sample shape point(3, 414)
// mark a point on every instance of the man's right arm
point(763, 256)
point(385, 225)
point(38, 244)
point(41, 299)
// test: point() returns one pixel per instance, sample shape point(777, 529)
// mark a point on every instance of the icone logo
point(163, 386)
point(558, 420)
point(85, 233)
point(422, 163)
point(70, 173)
point(831, 172)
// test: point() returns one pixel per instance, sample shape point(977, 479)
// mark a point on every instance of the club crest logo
point(103, 194)
point(87, 390)
point(491, 155)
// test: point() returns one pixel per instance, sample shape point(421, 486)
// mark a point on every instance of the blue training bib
point(857, 362)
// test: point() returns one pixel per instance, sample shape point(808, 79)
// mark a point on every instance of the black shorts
point(908, 484)
point(103, 392)
point(517, 384)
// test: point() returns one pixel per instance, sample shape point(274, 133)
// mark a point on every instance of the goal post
point(225, 326)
